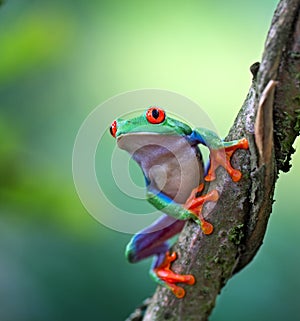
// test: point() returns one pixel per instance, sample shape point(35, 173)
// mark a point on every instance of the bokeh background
point(58, 61)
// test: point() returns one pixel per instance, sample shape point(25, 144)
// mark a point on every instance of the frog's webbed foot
point(195, 204)
point(166, 277)
point(222, 157)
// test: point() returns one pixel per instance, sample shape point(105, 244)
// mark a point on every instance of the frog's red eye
point(155, 115)
point(113, 129)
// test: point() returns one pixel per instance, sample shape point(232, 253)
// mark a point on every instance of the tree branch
point(270, 120)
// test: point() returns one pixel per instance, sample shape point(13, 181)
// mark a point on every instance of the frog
point(168, 152)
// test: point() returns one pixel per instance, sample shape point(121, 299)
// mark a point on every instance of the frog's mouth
point(132, 142)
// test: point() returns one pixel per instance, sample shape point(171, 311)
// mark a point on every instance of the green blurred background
point(60, 59)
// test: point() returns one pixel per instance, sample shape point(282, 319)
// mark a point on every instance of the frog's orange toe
point(206, 227)
point(190, 279)
point(178, 291)
point(236, 175)
point(169, 278)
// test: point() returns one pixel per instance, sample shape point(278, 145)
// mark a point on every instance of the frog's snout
point(113, 128)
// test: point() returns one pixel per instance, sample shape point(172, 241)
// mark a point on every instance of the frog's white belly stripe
point(169, 162)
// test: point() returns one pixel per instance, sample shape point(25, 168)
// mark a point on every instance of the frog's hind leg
point(153, 241)
point(162, 274)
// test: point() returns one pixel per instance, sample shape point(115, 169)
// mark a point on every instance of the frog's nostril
point(113, 129)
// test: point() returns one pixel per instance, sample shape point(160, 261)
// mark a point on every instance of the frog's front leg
point(220, 152)
point(153, 241)
point(192, 209)
point(222, 157)
point(195, 204)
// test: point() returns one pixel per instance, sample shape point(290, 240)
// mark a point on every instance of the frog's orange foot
point(168, 278)
point(195, 204)
point(222, 157)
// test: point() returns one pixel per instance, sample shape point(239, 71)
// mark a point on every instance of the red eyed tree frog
point(167, 152)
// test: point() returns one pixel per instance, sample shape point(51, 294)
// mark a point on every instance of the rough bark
point(270, 120)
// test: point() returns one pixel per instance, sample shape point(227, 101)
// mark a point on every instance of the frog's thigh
point(152, 240)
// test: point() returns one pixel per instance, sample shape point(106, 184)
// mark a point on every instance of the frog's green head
point(154, 120)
